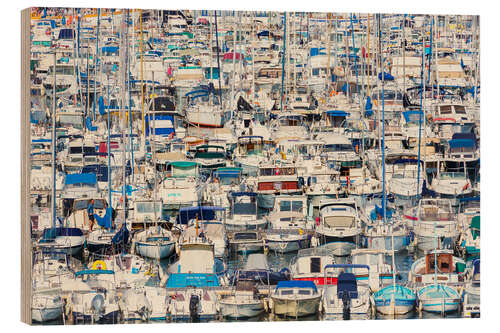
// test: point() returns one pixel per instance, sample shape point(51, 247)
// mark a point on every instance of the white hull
point(155, 251)
point(245, 310)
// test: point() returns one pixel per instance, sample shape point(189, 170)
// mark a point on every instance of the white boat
point(309, 265)
point(380, 273)
point(244, 212)
point(435, 219)
point(68, 240)
point(472, 294)
point(154, 242)
point(438, 298)
point(244, 301)
point(246, 242)
point(295, 299)
point(46, 307)
point(348, 298)
point(339, 223)
point(285, 241)
point(450, 269)
point(205, 222)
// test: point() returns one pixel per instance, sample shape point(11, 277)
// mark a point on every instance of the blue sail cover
point(81, 178)
point(368, 107)
point(206, 213)
point(337, 113)
point(122, 235)
point(105, 221)
point(387, 77)
point(296, 284)
point(243, 194)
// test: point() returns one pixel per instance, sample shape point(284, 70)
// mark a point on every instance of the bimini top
point(296, 284)
point(206, 213)
point(81, 179)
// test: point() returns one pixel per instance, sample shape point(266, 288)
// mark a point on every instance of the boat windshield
point(147, 207)
point(452, 175)
point(291, 206)
point(245, 208)
point(339, 221)
point(331, 148)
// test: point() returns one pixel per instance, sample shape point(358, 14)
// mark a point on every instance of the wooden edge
point(26, 269)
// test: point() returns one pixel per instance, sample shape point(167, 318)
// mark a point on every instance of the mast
point(142, 78)
point(382, 61)
point(154, 146)
point(218, 60)
point(123, 78)
point(422, 92)
point(54, 91)
point(283, 60)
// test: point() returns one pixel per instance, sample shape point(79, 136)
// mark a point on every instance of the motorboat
point(295, 299)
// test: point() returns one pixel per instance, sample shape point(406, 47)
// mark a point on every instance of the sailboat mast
point(382, 62)
point(54, 90)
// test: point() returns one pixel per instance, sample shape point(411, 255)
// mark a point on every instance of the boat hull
point(237, 311)
point(155, 251)
point(295, 308)
point(42, 315)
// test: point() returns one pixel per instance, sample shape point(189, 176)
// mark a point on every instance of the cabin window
point(315, 265)
point(286, 292)
point(459, 109)
point(445, 109)
point(304, 292)
point(315, 71)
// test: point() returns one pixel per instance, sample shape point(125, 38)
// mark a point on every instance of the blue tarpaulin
point(89, 125)
point(81, 178)
point(101, 106)
point(462, 143)
point(387, 77)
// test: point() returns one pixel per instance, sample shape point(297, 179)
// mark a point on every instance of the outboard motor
point(97, 305)
point(347, 289)
point(194, 303)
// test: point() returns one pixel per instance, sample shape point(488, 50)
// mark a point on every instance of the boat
point(246, 242)
point(380, 273)
point(205, 222)
point(295, 299)
point(438, 265)
point(273, 180)
point(244, 302)
point(472, 296)
point(93, 297)
point(282, 241)
point(394, 300)
point(438, 298)
point(257, 269)
point(154, 242)
point(347, 298)
point(249, 153)
point(68, 240)
point(46, 307)
point(189, 282)
point(309, 265)
point(210, 156)
point(339, 224)
point(244, 212)
point(435, 219)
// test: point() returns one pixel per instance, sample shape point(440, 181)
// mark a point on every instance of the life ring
point(99, 265)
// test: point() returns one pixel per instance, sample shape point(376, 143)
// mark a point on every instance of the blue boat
point(395, 300)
